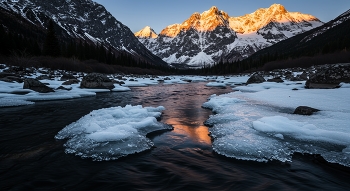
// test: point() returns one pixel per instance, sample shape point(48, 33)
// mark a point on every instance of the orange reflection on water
point(197, 133)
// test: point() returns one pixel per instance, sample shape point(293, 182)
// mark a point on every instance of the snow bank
point(110, 133)
point(256, 122)
point(300, 130)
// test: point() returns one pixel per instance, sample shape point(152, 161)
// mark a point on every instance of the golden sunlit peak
point(278, 7)
point(213, 9)
point(146, 32)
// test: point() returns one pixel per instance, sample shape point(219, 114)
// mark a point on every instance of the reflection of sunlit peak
point(198, 134)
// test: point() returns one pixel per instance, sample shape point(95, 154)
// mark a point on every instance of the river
point(182, 159)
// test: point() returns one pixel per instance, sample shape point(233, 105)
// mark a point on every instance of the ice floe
point(110, 133)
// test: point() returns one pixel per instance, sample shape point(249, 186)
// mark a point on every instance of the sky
point(136, 14)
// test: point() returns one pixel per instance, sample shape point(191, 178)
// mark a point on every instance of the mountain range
point(81, 19)
point(330, 37)
point(213, 35)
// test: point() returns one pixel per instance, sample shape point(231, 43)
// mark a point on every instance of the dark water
point(31, 159)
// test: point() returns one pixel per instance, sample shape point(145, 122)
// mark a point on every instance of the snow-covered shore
point(256, 122)
point(13, 94)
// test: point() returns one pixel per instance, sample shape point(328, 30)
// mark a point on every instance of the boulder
point(6, 80)
point(36, 85)
point(5, 74)
point(255, 78)
point(96, 81)
point(70, 82)
point(65, 77)
point(305, 110)
point(118, 82)
point(8, 77)
point(329, 77)
point(304, 76)
point(15, 79)
point(277, 80)
point(63, 88)
point(43, 77)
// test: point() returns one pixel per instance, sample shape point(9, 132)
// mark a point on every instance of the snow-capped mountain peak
point(207, 21)
point(262, 17)
point(213, 35)
point(146, 32)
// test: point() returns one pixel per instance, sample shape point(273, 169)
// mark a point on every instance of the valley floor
point(254, 122)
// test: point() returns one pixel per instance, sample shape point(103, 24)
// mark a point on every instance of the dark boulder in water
point(329, 77)
point(36, 85)
point(255, 78)
point(277, 80)
point(96, 81)
point(305, 110)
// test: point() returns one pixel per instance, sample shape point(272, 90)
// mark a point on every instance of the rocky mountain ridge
point(213, 35)
point(82, 19)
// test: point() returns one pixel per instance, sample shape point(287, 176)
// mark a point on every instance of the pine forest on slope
point(82, 19)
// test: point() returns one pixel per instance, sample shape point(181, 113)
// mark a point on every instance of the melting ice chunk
point(110, 133)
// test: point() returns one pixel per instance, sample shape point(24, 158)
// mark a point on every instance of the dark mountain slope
point(84, 20)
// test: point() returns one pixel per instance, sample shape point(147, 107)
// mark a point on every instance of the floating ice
point(110, 133)
point(256, 122)
point(216, 84)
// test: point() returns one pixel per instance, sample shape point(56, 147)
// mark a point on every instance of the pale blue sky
point(158, 14)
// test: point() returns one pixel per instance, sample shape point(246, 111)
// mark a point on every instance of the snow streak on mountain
point(82, 19)
point(213, 35)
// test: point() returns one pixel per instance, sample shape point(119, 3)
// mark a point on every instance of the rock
point(12, 79)
point(70, 82)
point(167, 78)
point(329, 77)
point(277, 80)
point(67, 77)
point(63, 88)
point(5, 74)
point(36, 85)
point(43, 77)
point(304, 76)
point(96, 81)
point(311, 85)
point(255, 78)
point(295, 78)
point(305, 110)
point(6, 80)
point(118, 82)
